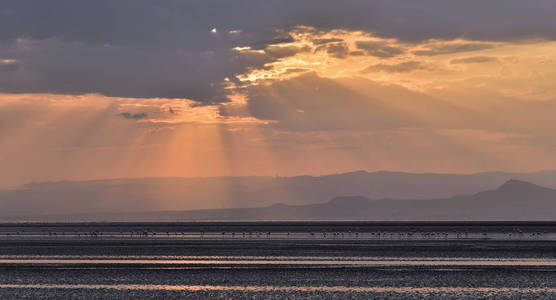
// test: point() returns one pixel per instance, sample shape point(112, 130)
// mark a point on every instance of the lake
point(278, 260)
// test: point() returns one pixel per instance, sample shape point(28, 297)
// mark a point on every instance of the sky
point(136, 88)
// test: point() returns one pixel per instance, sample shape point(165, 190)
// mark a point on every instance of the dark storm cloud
point(58, 67)
point(137, 116)
point(378, 49)
point(473, 60)
point(404, 67)
point(147, 48)
point(185, 23)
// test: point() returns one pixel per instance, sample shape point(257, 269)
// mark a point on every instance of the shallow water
point(276, 277)
point(215, 261)
point(269, 288)
point(113, 263)
point(274, 292)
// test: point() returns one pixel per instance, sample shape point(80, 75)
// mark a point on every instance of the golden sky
point(306, 99)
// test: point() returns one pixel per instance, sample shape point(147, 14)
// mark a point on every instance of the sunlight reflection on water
point(268, 288)
point(346, 261)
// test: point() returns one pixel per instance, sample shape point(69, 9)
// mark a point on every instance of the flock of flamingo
point(514, 234)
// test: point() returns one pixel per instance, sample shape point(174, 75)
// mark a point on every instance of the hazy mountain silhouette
point(146, 194)
point(514, 200)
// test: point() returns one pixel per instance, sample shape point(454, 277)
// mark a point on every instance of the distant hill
point(147, 194)
point(514, 200)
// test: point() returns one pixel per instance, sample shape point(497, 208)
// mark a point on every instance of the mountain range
point(513, 200)
point(148, 194)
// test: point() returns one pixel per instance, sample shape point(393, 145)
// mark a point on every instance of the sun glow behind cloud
point(427, 66)
point(88, 136)
point(309, 101)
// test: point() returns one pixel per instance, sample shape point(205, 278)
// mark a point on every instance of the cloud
point(137, 116)
point(337, 50)
point(326, 41)
point(54, 66)
point(453, 48)
point(309, 102)
point(142, 48)
point(403, 67)
point(284, 51)
point(142, 22)
point(357, 53)
point(8, 65)
point(473, 59)
point(275, 41)
point(379, 49)
point(312, 103)
point(296, 70)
